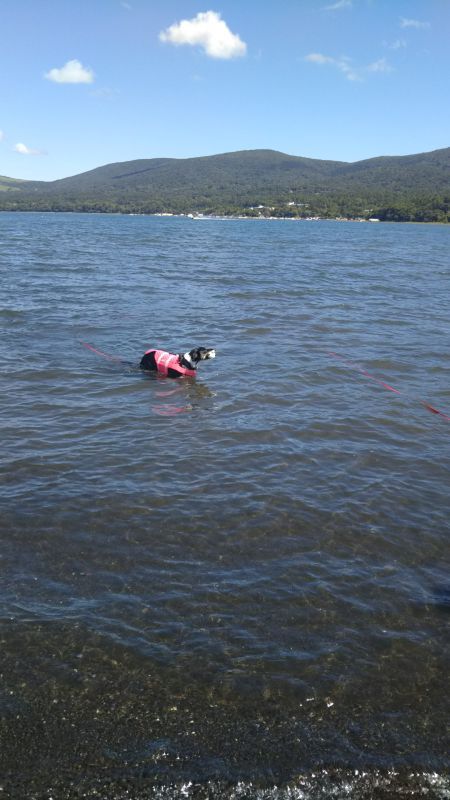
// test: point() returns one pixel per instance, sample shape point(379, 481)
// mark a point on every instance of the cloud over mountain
point(414, 23)
point(24, 150)
point(72, 72)
point(210, 32)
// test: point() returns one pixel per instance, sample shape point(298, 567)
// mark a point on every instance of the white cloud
point(72, 72)
point(318, 58)
point(339, 5)
point(104, 92)
point(381, 65)
point(345, 65)
point(413, 23)
point(27, 151)
point(208, 31)
point(397, 44)
point(2, 136)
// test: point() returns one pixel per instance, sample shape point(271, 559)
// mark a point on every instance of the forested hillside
point(252, 182)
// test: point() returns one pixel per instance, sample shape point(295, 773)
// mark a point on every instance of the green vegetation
point(412, 188)
point(9, 183)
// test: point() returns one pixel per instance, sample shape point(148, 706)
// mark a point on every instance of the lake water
point(235, 586)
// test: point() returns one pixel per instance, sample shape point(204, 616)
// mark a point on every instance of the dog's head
point(201, 354)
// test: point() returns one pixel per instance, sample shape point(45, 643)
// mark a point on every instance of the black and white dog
point(175, 365)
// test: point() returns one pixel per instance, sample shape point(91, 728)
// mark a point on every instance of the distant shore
point(224, 217)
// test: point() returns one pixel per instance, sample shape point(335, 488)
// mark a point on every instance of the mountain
point(10, 183)
point(406, 185)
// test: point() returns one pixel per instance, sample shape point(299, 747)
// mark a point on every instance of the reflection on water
point(186, 395)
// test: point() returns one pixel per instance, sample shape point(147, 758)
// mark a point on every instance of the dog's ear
point(194, 355)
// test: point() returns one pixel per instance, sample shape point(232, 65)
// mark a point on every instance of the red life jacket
point(164, 361)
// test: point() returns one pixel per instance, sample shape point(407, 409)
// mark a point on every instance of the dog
point(174, 366)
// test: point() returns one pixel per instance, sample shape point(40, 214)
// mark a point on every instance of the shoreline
point(223, 217)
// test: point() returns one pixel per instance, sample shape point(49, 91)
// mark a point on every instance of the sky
point(85, 83)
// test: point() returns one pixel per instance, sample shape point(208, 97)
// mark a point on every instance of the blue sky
point(91, 82)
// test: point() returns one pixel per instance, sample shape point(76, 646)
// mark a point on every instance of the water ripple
point(278, 527)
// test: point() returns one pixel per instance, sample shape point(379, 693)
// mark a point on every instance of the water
point(234, 587)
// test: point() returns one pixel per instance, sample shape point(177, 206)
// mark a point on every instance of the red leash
point(386, 385)
point(100, 353)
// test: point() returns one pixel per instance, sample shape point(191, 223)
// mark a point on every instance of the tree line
point(405, 208)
